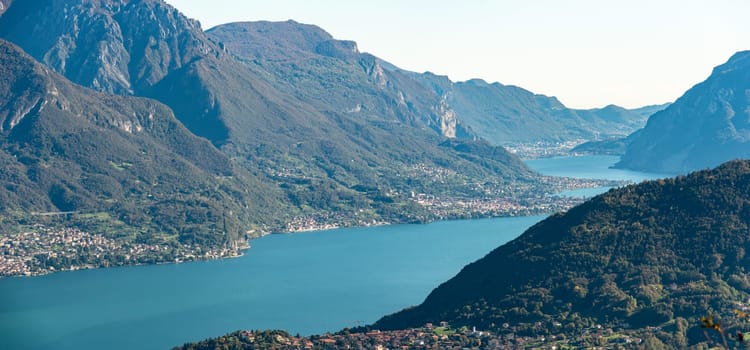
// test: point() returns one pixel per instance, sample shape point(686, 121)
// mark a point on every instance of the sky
point(587, 53)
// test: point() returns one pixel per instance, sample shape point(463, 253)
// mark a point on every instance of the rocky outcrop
point(341, 49)
point(358, 81)
point(124, 48)
point(448, 120)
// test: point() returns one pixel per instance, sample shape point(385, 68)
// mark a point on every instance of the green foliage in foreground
point(643, 255)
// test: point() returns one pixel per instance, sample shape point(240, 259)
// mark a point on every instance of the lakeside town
point(510, 201)
point(543, 149)
point(430, 336)
point(47, 250)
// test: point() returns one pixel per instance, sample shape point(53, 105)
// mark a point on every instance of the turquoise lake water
point(305, 283)
point(589, 167)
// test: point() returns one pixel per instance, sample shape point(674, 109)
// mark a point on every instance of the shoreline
point(240, 252)
point(116, 254)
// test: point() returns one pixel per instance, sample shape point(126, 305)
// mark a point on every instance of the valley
point(163, 182)
point(208, 138)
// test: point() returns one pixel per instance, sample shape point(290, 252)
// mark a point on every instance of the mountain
point(332, 75)
point(645, 254)
point(613, 146)
point(506, 114)
point(124, 163)
point(708, 125)
point(498, 113)
point(372, 123)
point(617, 145)
point(323, 131)
point(648, 111)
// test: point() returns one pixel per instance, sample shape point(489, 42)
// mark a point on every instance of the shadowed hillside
point(124, 161)
point(644, 254)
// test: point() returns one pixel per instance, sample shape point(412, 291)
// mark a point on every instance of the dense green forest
point(658, 254)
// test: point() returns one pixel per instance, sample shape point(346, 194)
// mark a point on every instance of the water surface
point(589, 167)
point(304, 283)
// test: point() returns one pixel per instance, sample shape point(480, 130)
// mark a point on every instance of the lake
point(305, 283)
point(589, 167)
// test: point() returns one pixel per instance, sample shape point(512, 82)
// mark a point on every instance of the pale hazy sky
point(588, 53)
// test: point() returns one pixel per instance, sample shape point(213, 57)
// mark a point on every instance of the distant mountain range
point(661, 253)
point(504, 114)
point(334, 77)
point(299, 125)
point(708, 125)
point(497, 113)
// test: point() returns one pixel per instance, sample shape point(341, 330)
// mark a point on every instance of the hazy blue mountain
point(644, 254)
point(648, 111)
point(506, 114)
point(617, 145)
point(708, 125)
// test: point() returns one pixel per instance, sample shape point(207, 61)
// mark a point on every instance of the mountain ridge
point(508, 114)
point(706, 126)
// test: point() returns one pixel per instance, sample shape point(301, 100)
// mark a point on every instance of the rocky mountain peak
point(114, 46)
point(282, 41)
point(29, 88)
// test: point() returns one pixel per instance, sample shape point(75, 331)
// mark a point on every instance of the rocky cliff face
point(120, 47)
point(709, 124)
